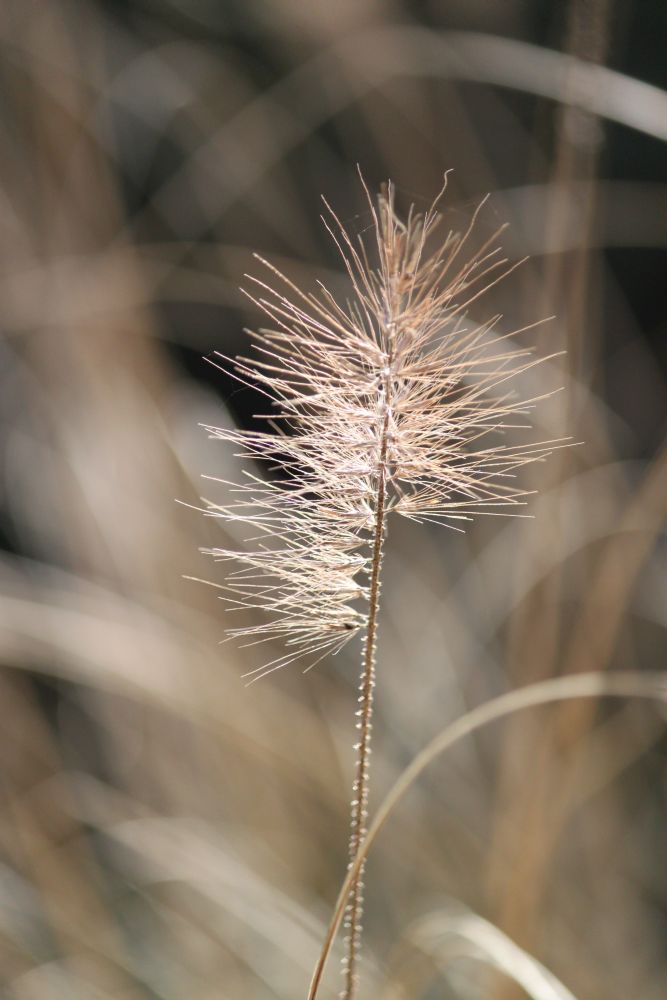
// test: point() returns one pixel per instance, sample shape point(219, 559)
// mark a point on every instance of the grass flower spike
point(391, 403)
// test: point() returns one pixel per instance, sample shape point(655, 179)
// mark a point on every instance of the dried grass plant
point(164, 832)
point(393, 403)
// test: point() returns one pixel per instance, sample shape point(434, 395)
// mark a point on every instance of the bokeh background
point(167, 832)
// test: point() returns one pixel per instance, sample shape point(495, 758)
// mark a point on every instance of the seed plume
point(396, 383)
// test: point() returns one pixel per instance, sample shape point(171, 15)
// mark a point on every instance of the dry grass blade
point(446, 935)
point(595, 685)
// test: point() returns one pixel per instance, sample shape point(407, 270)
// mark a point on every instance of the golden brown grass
point(165, 832)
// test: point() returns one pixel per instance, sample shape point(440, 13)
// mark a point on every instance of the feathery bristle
point(397, 383)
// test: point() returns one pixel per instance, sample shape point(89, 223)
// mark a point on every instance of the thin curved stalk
point(592, 685)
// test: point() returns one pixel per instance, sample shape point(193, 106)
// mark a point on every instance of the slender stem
point(359, 814)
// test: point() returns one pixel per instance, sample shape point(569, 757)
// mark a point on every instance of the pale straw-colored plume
point(393, 402)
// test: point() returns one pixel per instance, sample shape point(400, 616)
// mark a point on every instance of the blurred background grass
point(166, 832)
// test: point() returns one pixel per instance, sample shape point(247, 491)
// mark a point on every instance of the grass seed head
point(398, 384)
